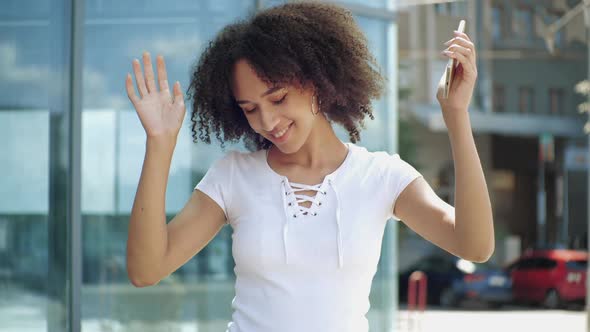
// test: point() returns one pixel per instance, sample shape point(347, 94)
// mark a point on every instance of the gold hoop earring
point(312, 112)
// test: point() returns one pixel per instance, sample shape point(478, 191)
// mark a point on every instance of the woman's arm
point(473, 210)
point(147, 237)
point(466, 230)
point(156, 249)
point(161, 116)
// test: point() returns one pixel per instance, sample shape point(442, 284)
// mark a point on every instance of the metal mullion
point(74, 152)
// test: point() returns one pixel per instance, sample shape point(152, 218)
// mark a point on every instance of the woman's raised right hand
point(160, 113)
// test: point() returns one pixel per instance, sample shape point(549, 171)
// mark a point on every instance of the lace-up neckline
point(292, 201)
point(315, 200)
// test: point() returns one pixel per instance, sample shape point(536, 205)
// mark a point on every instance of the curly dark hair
point(296, 43)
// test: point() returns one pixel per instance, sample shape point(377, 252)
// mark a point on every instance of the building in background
point(72, 152)
point(524, 110)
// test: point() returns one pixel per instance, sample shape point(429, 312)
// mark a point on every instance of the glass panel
point(499, 99)
point(376, 137)
point(556, 101)
point(369, 3)
point(198, 295)
point(34, 53)
point(272, 3)
point(497, 22)
point(559, 34)
point(526, 100)
point(523, 22)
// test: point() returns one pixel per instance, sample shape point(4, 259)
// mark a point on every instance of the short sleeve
point(398, 174)
point(217, 182)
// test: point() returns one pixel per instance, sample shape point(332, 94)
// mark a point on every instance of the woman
point(307, 210)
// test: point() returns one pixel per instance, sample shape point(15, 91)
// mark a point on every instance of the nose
point(268, 119)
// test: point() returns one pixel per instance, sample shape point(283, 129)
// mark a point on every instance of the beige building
point(524, 96)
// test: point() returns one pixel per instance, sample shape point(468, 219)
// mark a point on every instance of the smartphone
point(449, 70)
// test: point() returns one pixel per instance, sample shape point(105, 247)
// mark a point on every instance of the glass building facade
point(72, 151)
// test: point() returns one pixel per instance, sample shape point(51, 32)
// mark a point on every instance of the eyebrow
point(269, 91)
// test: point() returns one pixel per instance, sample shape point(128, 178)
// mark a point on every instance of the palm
point(160, 113)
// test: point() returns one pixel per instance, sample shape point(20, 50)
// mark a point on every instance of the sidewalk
point(496, 321)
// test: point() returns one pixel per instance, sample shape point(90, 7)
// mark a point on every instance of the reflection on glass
point(33, 167)
point(35, 170)
point(198, 295)
point(369, 3)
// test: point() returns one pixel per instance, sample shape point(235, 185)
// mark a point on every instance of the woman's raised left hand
point(462, 49)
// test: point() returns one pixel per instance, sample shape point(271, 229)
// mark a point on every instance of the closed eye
point(280, 101)
point(277, 102)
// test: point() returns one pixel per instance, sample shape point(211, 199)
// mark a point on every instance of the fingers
point(139, 78)
point(462, 42)
point(149, 72)
point(466, 52)
point(178, 98)
point(162, 75)
point(130, 90)
point(462, 45)
point(462, 55)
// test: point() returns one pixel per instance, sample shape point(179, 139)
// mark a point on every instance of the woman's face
point(270, 110)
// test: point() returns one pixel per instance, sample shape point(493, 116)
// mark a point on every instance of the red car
point(551, 277)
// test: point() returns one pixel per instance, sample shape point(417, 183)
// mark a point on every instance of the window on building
point(553, 16)
point(497, 22)
point(458, 8)
point(526, 100)
point(499, 99)
point(451, 8)
point(556, 101)
point(441, 8)
point(522, 22)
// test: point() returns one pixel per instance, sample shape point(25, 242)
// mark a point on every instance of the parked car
point(486, 283)
point(550, 277)
point(450, 280)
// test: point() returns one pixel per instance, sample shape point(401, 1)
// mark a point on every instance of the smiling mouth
point(282, 132)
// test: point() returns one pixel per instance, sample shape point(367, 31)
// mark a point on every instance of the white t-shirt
point(300, 269)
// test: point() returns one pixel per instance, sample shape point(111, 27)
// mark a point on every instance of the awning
point(504, 123)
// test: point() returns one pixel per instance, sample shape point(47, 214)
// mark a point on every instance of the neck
point(321, 149)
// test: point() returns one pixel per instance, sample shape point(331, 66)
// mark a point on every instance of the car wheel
point(447, 298)
point(552, 300)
